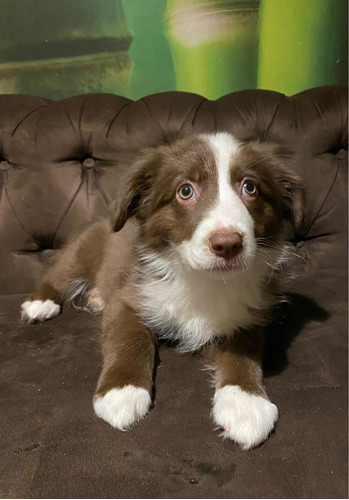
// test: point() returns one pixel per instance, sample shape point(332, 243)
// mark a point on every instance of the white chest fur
point(194, 307)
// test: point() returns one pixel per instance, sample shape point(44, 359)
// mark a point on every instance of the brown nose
point(226, 245)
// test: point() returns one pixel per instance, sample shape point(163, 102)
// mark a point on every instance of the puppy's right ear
point(133, 195)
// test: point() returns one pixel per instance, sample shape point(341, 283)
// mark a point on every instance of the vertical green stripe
point(214, 45)
point(303, 44)
point(153, 67)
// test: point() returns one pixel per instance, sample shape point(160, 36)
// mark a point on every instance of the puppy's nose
point(226, 245)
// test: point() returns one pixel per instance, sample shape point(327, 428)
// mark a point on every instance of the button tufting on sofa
point(89, 163)
point(4, 165)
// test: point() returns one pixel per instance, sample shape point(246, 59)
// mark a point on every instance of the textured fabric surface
point(61, 162)
point(61, 166)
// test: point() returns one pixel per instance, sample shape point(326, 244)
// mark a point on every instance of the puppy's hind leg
point(60, 285)
point(44, 303)
point(70, 277)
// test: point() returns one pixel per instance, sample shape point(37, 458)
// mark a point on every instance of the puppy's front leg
point(241, 407)
point(123, 392)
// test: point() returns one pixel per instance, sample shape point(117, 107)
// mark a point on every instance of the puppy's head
point(211, 200)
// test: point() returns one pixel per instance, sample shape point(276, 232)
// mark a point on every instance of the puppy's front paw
point(124, 407)
point(34, 311)
point(246, 418)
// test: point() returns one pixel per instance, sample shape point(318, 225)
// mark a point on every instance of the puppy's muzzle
point(225, 244)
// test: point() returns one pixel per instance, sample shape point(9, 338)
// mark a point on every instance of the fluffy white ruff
point(122, 408)
point(246, 418)
point(193, 308)
point(38, 310)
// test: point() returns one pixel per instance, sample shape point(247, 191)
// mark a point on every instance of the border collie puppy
point(191, 254)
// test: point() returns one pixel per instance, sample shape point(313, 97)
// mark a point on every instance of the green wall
point(59, 48)
point(303, 44)
point(150, 52)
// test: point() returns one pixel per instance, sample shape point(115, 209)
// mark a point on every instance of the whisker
point(299, 256)
point(266, 242)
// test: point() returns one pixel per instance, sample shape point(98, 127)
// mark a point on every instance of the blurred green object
point(153, 67)
point(303, 44)
point(59, 48)
point(214, 45)
point(56, 49)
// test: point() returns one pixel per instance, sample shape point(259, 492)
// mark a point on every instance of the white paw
point(122, 408)
point(38, 310)
point(95, 303)
point(246, 418)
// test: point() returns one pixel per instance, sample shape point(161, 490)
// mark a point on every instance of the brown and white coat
point(192, 253)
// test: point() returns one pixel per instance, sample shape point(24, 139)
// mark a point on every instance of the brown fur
point(151, 189)
point(280, 194)
point(238, 361)
point(46, 291)
point(79, 261)
point(128, 349)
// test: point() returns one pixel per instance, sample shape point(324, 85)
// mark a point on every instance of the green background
point(59, 48)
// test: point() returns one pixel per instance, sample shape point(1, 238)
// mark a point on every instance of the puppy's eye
point(249, 188)
point(186, 192)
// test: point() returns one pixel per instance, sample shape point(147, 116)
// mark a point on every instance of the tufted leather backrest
point(61, 163)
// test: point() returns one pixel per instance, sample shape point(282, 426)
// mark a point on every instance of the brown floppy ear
point(287, 181)
point(136, 185)
point(293, 195)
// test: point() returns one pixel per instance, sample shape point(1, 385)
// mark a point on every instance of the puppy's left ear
point(288, 183)
point(135, 187)
point(293, 197)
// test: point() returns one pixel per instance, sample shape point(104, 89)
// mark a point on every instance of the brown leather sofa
point(61, 165)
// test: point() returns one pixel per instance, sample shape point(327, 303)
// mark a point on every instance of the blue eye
point(249, 188)
point(186, 192)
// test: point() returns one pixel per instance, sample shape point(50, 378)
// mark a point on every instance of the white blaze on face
point(228, 212)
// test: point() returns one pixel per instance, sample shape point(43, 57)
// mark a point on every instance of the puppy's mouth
point(200, 258)
point(223, 265)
